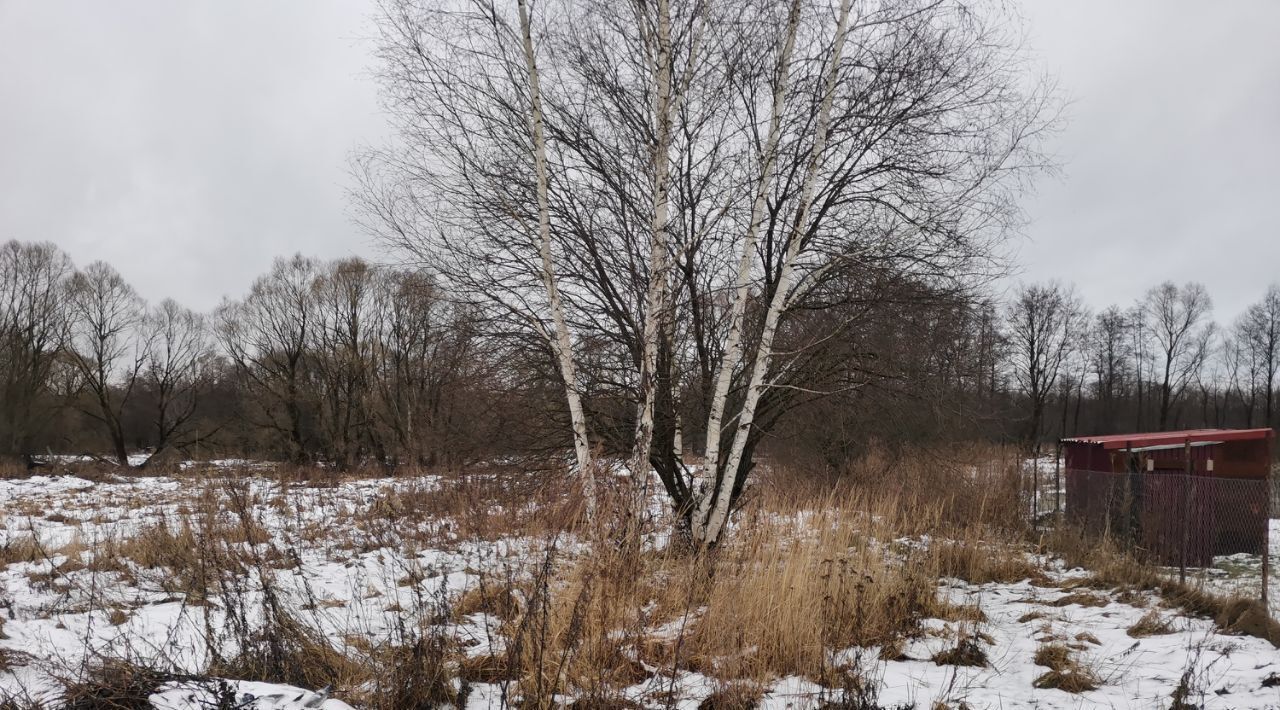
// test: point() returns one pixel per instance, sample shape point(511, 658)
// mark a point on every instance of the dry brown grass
point(1113, 567)
point(1088, 599)
point(1151, 624)
point(284, 650)
point(13, 469)
point(415, 674)
point(502, 601)
point(968, 651)
point(1066, 671)
point(807, 570)
point(482, 507)
point(1248, 617)
point(733, 696)
point(980, 561)
point(959, 612)
point(22, 548)
point(1071, 681)
point(112, 684)
point(969, 486)
point(803, 573)
point(796, 581)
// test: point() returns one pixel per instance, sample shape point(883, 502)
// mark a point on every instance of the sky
point(190, 143)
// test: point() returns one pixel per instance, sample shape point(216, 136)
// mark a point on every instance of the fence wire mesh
point(1215, 532)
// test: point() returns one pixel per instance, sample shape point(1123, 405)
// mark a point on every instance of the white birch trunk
point(720, 511)
point(677, 444)
point(655, 300)
point(703, 490)
point(559, 340)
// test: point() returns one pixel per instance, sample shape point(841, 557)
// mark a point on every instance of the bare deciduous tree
point(108, 346)
point(1259, 332)
point(175, 373)
point(267, 336)
point(33, 328)
point(1111, 353)
point(1177, 321)
point(341, 346)
point(424, 361)
point(1045, 324)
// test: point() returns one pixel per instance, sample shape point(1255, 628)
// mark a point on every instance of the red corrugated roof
point(1162, 438)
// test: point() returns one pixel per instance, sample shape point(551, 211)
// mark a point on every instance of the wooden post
point(1186, 516)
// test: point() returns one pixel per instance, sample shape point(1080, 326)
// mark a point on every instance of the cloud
point(1170, 152)
point(186, 143)
point(190, 143)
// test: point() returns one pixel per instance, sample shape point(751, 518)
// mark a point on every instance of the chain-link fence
point(1218, 532)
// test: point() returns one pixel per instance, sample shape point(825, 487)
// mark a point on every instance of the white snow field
point(350, 574)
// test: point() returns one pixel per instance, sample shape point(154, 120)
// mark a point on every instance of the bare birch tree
point(699, 174)
point(465, 84)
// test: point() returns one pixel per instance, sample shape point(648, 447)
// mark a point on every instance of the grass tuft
point(1066, 671)
point(967, 652)
point(112, 685)
point(1151, 624)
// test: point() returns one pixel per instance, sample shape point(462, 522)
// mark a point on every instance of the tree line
point(334, 361)
point(1158, 364)
point(348, 363)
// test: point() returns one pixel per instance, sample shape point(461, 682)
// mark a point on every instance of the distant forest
point(353, 364)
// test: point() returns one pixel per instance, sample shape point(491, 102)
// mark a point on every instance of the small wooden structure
point(1182, 496)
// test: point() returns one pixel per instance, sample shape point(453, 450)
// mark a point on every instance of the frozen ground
point(351, 573)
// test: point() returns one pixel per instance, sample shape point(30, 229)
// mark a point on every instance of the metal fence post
point(1186, 516)
point(1266, 532)
point(1057, 479)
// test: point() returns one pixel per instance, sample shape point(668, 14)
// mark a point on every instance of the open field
point(487, 590)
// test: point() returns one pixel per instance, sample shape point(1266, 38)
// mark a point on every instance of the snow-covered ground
point(350, 574)
point(1241, 574)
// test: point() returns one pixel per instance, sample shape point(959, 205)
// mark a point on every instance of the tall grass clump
point(803, 577)
point(806, 571)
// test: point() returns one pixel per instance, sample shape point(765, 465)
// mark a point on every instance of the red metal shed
point(1182, 496)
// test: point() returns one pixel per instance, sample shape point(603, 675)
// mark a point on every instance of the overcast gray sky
point(188, 143)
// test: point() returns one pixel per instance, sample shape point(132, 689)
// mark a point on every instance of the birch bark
point(655, 296)
point(666, 103)
point(733, 345)
point(559, 340)
point(716, 519)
